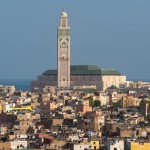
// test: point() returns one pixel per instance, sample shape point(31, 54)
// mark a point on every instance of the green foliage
point(91, 101)
point(87, 90)
point(97, 103)
point(144, 102)
point(116, 105)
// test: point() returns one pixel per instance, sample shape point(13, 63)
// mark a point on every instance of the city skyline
point(100, 36)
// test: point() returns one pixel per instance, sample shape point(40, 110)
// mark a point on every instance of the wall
point(81, 146)
point(115, 143)
point(101, 82)
point(112, 80)
point(139, 146)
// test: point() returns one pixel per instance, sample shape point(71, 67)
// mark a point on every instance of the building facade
point(115, 144)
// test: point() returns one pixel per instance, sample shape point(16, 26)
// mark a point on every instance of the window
point(115, 148)
point(64, 45)
point(63, 79)
point(63, 22)
point(141, 143)
point(137, 132)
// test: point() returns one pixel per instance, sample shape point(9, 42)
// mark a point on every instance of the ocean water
point(20, 84)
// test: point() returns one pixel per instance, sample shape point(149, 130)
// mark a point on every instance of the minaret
point(63, 51)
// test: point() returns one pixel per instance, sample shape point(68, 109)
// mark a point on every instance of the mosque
point(67, 76)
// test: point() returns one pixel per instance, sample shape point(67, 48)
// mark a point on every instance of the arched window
point(64, 45)
point(63, 22)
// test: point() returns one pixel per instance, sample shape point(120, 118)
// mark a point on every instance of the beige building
point(7, 90)
point(13, 145)
point(84, 107)
point(130, 101)
point(145, 109)
point(91, 121)
point(111, 127)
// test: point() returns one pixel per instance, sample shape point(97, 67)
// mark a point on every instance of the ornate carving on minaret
point(63, 51)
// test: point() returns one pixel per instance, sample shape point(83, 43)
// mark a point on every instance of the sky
point(113, 34)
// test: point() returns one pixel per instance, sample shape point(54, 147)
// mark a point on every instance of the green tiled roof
point(112, 87)
point(84, 67)
point(85, 70)
point(86, 90)
point(110, 71)
point(50, 72)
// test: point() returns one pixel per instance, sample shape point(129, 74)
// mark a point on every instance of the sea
point(20, 84)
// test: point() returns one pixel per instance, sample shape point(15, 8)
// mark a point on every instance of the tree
point(97, 103)
point(91, 103)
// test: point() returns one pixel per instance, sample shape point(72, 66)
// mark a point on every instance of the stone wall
point(42, 81)
point(101, 82)
point(86, 80)
point(112, 80)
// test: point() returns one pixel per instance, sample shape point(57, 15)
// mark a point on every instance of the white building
point(115, 144)
point(7, 89)
point(81, 146)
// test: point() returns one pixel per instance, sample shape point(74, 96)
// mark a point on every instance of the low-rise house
point(83, 107)
point(111, 127)
point(3, 129)
point(90, 121)
point(137, 145)
point(115, 144)
point(80, 146)
point(56, 144)
point(95, 144)
point(102, 97)
point(13, 145)
point(130, 101)
point(8, 118)
point(125, 132)
point(7, 90)
point(73, 138)
point(28, 117)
